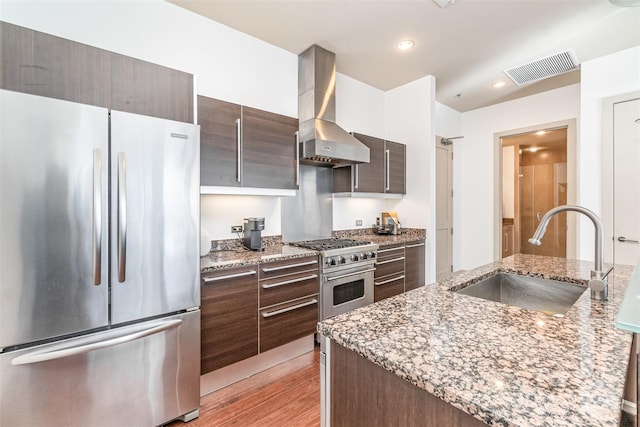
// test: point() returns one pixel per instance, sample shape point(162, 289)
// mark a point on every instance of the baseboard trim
point(228, 375)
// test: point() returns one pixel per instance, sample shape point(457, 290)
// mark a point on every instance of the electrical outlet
point(358, 222)
point(236, 229)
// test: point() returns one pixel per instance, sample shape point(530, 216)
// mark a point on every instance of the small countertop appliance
point(253, 233)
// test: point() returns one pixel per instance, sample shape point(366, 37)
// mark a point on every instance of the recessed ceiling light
point(405, 44)
point(498, 84)
point(444, 3)
point(533, 149)
point(541, 132)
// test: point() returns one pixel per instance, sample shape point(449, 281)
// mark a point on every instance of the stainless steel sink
point(532, 293)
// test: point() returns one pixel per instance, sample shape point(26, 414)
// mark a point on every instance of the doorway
point(621, 178)
point(536, 183)
point(537, 173)
point(444, 209)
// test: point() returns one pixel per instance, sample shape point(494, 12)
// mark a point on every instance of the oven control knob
point(354, 257)
point(331, 261)
point(372, 254)
point(363, 256)
point(342, 260)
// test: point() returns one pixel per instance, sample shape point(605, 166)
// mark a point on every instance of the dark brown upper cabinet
point(385, 172)
point(246, 147)
point(45, 65)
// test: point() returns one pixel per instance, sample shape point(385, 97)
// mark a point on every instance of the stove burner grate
point(328, 244)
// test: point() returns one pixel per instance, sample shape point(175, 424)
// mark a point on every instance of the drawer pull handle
point(293, 307)
point(287, 282)
point(284, 267)
point(390, 260)
point(389, 250)
point(415, 246)
point(384, 282)
point(229, 276)
point(351, 274)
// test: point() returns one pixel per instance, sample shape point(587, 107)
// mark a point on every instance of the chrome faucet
point(599, 281)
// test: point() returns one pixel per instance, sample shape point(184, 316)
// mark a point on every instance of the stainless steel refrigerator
point(99, 266)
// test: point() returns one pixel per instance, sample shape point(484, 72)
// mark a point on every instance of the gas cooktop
point(329, 244)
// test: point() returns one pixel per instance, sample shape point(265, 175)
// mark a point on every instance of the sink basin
point(533, 293)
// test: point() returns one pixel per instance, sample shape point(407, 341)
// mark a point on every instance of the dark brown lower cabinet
point(389, 275)
point(288, 301)
point(283, 323)
point(414, 270)
point(229, 325)
point(364, 394)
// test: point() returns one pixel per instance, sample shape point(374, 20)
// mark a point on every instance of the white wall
point(474, 164)
point(410, 114)
point(601, 78)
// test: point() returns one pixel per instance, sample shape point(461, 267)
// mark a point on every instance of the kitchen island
point(476, 361)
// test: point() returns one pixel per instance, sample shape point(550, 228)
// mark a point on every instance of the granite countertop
point(239, 257)
point(234, 255)
point(365, 234)
point(629, 315)
point(504, 365)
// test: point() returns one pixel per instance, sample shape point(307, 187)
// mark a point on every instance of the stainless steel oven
point(345, 289)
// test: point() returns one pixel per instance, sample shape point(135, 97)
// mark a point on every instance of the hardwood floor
point(285, 395)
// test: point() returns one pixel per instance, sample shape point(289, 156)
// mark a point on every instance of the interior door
point(53, 222)
point(444, 210)
point(155, 214)
point(626, 140)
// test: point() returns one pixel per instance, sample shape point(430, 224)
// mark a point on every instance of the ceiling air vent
point(543, 68)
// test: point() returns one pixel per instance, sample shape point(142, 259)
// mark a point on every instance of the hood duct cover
point(322, 141)
point(543, 68)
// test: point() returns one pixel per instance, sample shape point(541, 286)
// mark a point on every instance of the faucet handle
point(599, 284)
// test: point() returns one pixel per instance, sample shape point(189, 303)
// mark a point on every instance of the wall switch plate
point(236, 229)
point(358, 222)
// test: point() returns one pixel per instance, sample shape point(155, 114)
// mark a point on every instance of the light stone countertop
point(504, 365)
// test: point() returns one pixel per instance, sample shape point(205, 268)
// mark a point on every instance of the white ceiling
point(465, 46)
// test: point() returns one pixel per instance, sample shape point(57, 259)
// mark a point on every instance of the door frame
point(449, 149)
point(572, 182)
point(607, 168)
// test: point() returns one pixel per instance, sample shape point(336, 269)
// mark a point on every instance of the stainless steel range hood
point(322, 141)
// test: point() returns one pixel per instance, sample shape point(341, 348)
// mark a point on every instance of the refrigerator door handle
point(122, 217)
point(86, 344)
point(97, 216)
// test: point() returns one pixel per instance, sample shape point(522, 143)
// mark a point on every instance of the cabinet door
point(369, 177)
point(394, 168)
point(141, 87)
point(269, 150)
point(219, 143)
point(45, 65)
point(414, 265)
point(229, 308)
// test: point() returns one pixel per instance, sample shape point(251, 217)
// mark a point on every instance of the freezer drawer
point(145, 375)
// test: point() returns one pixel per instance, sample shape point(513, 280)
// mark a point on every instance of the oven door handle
point(350, 274)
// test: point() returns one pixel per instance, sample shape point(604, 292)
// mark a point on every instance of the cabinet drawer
point(392, 265)
point(390, 251)
point(281, 268)
point(229, 324)
point(414, 265)
point(388, 286)
point(284, 288)
point(283, 323)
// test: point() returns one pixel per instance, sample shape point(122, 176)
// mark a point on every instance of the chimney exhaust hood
point(322, 141)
